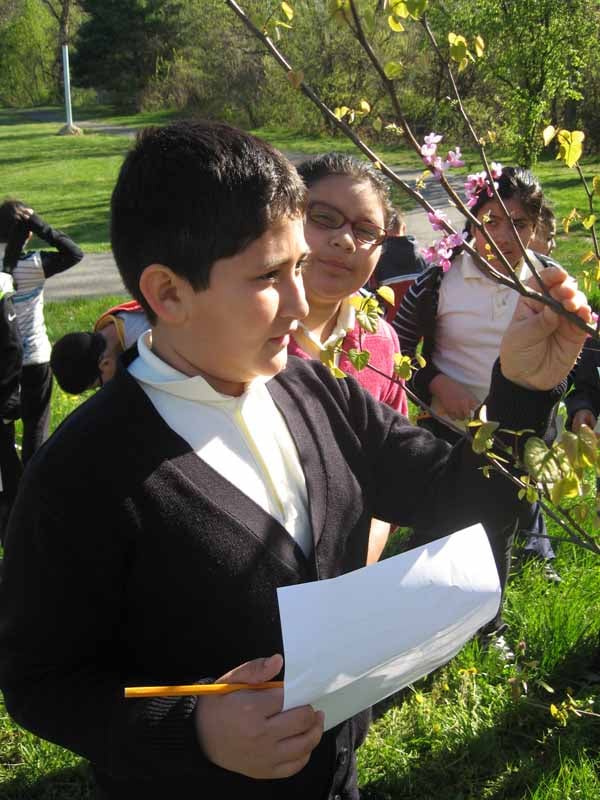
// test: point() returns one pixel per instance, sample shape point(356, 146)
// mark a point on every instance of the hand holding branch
point(540, 346)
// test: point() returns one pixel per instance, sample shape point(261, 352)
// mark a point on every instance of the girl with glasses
point(347, 220)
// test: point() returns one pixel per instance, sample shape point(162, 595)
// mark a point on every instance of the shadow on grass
point(525, 747)
point(70, 783)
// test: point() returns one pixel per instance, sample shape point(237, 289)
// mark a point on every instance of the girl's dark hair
point(9, 218)
point(514, 182)
point(315, 169)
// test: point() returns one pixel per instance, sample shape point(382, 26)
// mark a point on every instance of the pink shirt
point(381, 345)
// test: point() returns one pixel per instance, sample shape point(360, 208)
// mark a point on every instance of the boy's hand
point(583, 417)
point(539, 347)
point(458, 402)
point(247, 732)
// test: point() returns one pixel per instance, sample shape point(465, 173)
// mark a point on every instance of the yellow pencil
point(197, 688)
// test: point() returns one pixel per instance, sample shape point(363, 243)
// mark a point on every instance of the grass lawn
point(478, 729)
point(70, 179)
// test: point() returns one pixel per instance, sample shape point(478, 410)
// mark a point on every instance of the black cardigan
point(130, 561)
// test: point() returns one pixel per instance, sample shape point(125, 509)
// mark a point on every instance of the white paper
point(352, 641)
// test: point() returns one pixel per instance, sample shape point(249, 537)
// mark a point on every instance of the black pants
point(36, 390)
point(10, 472)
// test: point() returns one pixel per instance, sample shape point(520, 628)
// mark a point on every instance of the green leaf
point(358, 358)
point(378, 124)
point(402, 366)
point(422, 362)
point(337, 372)
point(545, 465)
point(387, 294)
point(364, 107)
point(393, 70)
point(368, 320)
point(458, 47)
point(287, 10)
point(483, 439)
point(596, 184)
point(479, 46)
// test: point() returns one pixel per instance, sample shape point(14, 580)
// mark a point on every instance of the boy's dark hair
point(315, 169)
point(193, 192)
point(9, 218)
point(74, 361)
point(515, 182)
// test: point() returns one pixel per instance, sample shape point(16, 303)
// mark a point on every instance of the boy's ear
point(164, 292)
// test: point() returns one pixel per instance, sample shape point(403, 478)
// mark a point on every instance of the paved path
point(97, 274)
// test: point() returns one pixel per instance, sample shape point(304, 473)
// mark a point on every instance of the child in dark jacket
point(29, 271)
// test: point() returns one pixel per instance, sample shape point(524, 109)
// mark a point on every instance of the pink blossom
point(433, 138)
point(437, 220)
point(594, 317)
point(453, 159)
point(496, 169)
point(429, 254)
point(456, 239)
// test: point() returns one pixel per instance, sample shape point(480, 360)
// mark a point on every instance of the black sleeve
point(68, 253)
point(15, 245)
point(11, 360)
point(58, 670)
point(585, 393)
point(416, 320)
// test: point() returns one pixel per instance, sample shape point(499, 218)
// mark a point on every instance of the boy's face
point(239, 327)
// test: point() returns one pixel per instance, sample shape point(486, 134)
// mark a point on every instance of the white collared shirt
point(473, 313)
point(245, 439)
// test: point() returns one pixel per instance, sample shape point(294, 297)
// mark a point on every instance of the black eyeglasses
point(326, 216)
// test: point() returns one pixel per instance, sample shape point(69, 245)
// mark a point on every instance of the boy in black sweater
point(154, 528)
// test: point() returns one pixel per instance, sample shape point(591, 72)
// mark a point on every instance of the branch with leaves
point(549, 475)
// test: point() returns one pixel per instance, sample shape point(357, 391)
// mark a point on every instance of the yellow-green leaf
point(596, 184)
point(364, 106)
point(570, 146)
point(479, 46)
point(358, 358)
point(589, 256)
point(570, 219)
point(341, 111)
point(395, 24)
point(565, 489)
point(458, 47)
point(548, 133)
point(589, 221)
point(393, 70)
point(544, 464)
point(295, 77)
point(588, 446)
point(422, 362)
point(402, 366)
point(483, 439)
point(399, 8)
point(378, 124)
point(368, 320)
point(287, 10)
point(387, 294)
